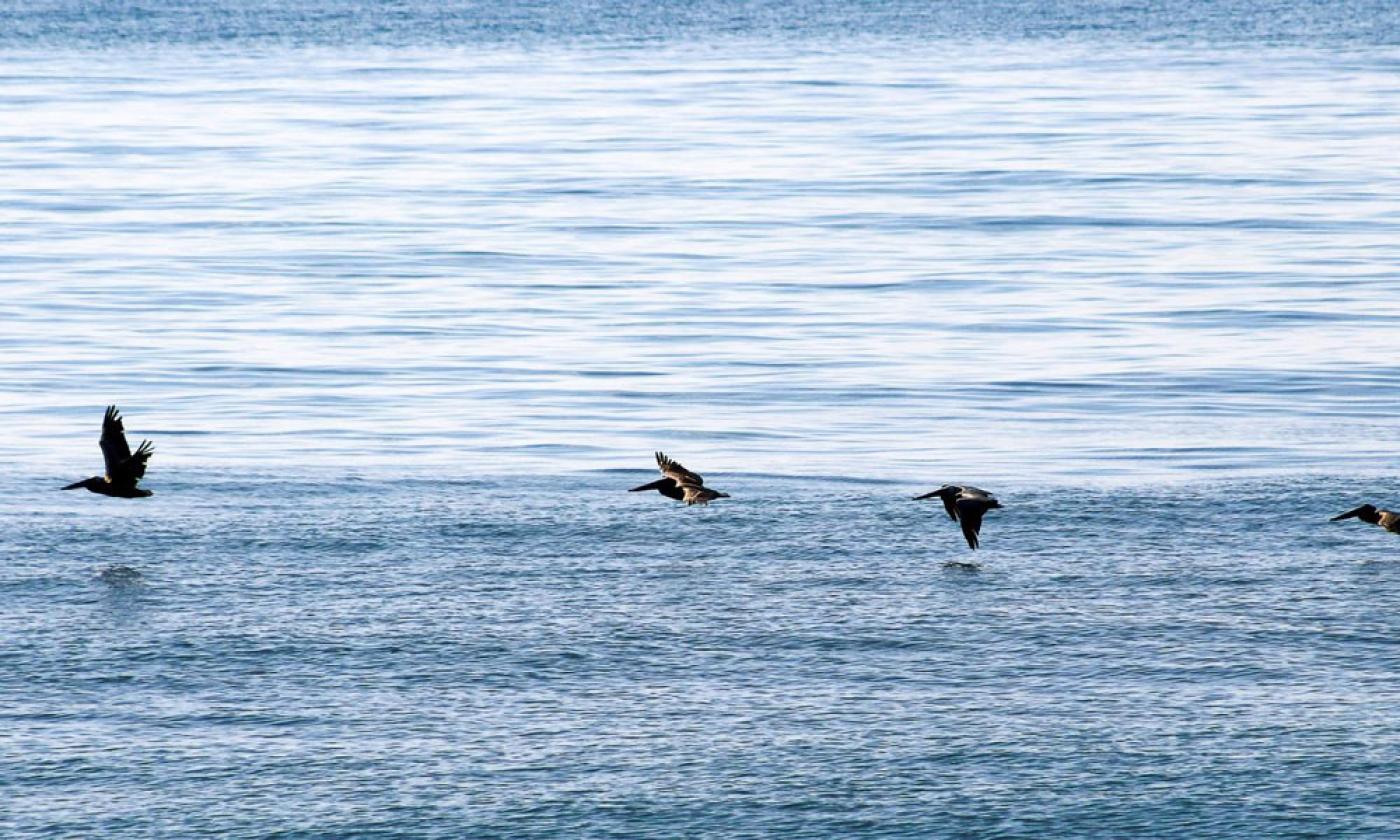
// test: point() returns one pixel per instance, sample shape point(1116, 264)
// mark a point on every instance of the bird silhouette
point(124, 467)
point(966, 506)
point(680, 484)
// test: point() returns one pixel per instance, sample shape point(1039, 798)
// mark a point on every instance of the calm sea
point(406, 295)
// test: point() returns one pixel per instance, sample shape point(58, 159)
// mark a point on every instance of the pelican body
point(966, 506)
point(680, 484)
point(1373, 515)
point(124, 467)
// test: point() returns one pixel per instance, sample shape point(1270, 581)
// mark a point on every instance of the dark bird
point(124, 467)
point(1374, 516)
point(966, 506)
point(680, 484)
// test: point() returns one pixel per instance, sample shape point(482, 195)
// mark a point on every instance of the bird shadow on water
point(126, 594)
point(120, 577)
point(961, 566)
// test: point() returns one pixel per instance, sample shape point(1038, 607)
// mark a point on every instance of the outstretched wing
point(970, 517)
point(134, 468)
point(115, 450)
point(123, 466)
point(677, 473)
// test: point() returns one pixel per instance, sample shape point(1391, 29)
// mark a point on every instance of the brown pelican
point(124, 467)
point(965, 505)
point(1375, 516)
point(680, 484)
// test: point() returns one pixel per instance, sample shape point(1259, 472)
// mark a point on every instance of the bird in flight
point(124, 467)
point(965, 506)
point(1388, 520)
point(680, 484)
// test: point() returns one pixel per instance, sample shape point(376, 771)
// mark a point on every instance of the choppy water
point(407, 296)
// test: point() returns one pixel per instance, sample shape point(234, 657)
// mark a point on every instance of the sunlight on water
point(1030, 261)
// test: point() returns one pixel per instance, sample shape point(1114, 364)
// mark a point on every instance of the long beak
point(1348, 515)
point(722, 495)
point(652, 486)
point(75, 485)
point(926, 496)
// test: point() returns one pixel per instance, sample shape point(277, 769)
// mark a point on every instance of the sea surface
point(407, 294)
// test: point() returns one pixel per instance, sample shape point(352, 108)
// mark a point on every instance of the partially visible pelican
point(1388, 520)
point(680, 484)
point(124, 467)
point(966, 506)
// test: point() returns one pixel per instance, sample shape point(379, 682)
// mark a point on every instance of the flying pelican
point(1375, 516)
point(124, 467)
point(965, 505)
point(680, 484)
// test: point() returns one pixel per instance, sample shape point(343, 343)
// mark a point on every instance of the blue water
point(407, 294)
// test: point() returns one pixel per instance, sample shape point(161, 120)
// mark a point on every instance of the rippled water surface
point(407, 296)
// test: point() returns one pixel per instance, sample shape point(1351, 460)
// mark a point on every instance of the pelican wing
point(123, 466)
point(970, 513)
point(133, 469)
point(115, 449)
point(677, 473)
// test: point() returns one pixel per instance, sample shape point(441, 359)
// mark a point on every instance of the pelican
point(965, 505)
point(1374, 516)
point(680, 484)
point(124, 467)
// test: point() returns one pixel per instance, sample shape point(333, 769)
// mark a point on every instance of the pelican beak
point(75, 485)
point(1348, 515)
point(723, 495)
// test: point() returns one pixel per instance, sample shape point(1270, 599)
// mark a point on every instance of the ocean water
point(407, 295)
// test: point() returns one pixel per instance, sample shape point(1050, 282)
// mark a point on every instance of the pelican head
point(947, 491)
point(1366, 513)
